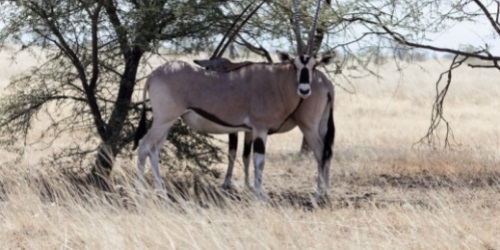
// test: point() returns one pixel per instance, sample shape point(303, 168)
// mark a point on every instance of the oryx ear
point(284, 57)
point(325, 60)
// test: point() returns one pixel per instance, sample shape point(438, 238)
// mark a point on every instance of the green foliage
point(91, 57)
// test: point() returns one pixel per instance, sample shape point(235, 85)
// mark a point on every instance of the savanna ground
point(386, 192)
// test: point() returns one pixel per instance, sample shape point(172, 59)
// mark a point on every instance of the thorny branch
point(261, 51)
point(438, 107)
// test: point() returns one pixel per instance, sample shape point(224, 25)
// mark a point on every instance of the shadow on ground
point(350, 193)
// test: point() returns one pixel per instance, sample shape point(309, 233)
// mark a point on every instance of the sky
point(465, 33)
point(476, 34)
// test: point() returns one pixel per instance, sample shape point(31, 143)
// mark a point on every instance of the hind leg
point(150, 146)
point(316, 143)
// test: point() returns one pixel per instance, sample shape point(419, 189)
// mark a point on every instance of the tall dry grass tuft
point(386, 191)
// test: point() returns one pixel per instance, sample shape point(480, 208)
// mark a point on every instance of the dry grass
point(385, 193)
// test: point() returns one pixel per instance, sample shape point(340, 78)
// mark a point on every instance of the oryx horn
point(297, 27)
point(310, 44)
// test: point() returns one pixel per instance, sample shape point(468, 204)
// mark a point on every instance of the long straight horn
point(238, 29)
point(216, 51)
point(297, 27)
point(310, 44)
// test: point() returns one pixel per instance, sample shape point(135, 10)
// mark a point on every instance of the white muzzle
point(304, 90)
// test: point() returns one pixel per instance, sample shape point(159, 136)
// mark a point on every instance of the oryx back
point(217, 102)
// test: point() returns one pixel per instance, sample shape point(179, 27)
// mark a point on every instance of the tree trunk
point(112, 142)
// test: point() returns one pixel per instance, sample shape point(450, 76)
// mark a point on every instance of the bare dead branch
point(437, 115)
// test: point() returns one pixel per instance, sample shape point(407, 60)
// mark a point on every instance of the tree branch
point(95, 48)
point(402, 40)
point(100, 125)
point(121, 32)
point(438, 106)
point(261, 51)
point(488, 15)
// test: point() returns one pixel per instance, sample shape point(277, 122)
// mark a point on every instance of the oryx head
point(304, 64)
point(305, 67)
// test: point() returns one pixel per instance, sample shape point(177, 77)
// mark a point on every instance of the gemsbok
point(258, 98)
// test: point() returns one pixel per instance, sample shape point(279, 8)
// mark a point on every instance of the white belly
point(203, 125)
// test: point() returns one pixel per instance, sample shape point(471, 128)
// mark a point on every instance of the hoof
point(260, 196)
point(323, 200)
point(226, 186)
point(162, 194)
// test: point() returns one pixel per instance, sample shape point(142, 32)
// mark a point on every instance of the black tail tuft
point(141, 129)
point(329, 137)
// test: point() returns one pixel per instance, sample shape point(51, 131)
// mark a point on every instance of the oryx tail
point(330, 134)
point(141, 128)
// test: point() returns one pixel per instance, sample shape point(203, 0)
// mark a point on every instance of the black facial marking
point(304, 75)
point(216, 119)
point(304, 59)
point(258, 146)
point(233, 141)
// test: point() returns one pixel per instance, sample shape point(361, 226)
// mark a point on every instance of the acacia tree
point(93, 53)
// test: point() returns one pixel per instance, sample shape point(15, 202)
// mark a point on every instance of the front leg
point(247, 149)
point(233, 146)
point(259, 151)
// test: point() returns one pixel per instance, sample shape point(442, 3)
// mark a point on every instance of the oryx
point(258, 98)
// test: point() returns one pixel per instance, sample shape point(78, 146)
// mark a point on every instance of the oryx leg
point(259, 151)
point(320, 140)
point(233, 146)
point(150, 146)
point(314, 140)
point(327, 133)
point(247, 149)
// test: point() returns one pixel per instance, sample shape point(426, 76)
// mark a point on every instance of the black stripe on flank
point(216, 119)
point(233, 141)
point(258, 146)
